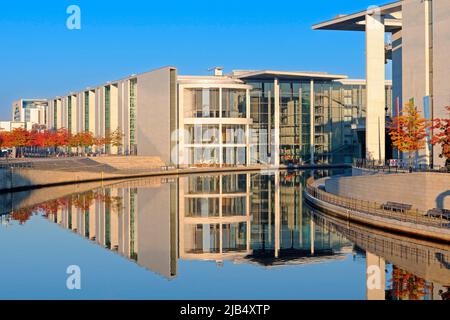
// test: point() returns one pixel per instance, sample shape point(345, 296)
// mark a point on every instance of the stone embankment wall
point(424, 191)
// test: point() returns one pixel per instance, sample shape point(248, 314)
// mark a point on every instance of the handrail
point(374, 208)
point(400, 167)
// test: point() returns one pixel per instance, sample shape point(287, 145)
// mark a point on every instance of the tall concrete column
point(376, 99)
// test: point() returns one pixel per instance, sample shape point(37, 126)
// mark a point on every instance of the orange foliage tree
point(408, 131)
point(442, 137)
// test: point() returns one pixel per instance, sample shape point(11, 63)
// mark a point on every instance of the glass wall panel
point(234, 206)
point(202, 155)
point(205, 238)
point(203, 185)
point(236, 183)
point(234, 103)
point(201, 103)
point(202, 207)
point(233, 156)
point(233, 134)
point(201, 134)
point(234, 237)
point(262, 107)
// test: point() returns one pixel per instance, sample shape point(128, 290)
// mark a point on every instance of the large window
point(234, 103)
point(202, 207)
point(201, 103)
point(202, 155)
point(233, 156)
point(233, 134)
point(201, 134)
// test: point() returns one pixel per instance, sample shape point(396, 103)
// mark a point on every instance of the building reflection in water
point(250, 218)
point(411, 269)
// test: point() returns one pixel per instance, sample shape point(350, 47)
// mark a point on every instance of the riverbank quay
point(27, 174)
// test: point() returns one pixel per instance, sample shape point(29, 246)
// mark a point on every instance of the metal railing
point(376, 209)
point(400, 167)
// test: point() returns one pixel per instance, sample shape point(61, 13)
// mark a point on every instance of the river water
point(219, 236)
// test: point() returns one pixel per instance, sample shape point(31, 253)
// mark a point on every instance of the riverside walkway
point(412, 222)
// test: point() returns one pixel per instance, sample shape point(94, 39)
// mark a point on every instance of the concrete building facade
point(419, 53)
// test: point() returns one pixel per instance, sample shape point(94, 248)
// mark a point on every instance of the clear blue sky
point(41, 58)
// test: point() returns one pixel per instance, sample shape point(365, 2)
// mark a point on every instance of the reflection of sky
point(35, 257)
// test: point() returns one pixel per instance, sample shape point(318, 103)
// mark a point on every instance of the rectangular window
point(201, 103)
point(201, 134)
point(233, 134)
point(234, 103)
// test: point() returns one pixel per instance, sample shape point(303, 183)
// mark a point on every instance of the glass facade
point(262, 107)
point(107, 116)
point(295, 127)
point(219, 144)
point(69, 113)
point(86, 111)
point(234, 103)
point(133, 105)
point(201, 103)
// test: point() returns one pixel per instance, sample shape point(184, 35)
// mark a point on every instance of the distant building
point(31, 111)
point(8, 126)
point(242, 118)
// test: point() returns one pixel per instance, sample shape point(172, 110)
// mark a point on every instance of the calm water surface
point(229, 236)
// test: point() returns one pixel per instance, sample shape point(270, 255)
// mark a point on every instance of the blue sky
point(40, 57)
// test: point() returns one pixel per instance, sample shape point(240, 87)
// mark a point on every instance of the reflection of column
point(92, 226)
point(114, 228)
point(312, 234)
point(311, 120)
point(376, 100)
point(277, 214)
point(73, 213)
point(247, 207)
point(376, 277)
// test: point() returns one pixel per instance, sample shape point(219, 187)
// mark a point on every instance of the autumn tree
point(442, 136)
point(408, 131)
point(20, 138)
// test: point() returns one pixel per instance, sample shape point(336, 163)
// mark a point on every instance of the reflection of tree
point(82, 201)
point(407, 286)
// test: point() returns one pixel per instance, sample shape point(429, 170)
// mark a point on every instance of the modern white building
point(30, 111)
point(245, 117)
point(8, 126)
point(419, 46)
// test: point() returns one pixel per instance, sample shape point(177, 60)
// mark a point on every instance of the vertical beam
point(312, 235)
point(376, 100)
point(275, 152)
point(312, 124)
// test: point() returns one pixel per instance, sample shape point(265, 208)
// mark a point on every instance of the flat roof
point(285, 75)
point(354, 21)
point(358, 82)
